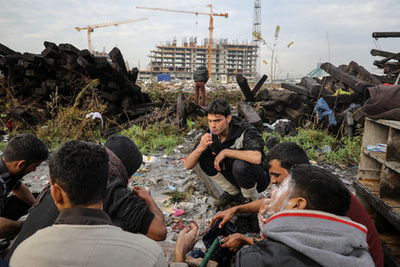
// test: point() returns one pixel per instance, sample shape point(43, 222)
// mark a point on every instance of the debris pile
point(64, 70)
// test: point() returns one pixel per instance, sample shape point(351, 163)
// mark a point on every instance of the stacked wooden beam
point(345, 85)
point(272, 105)
point(67, 69)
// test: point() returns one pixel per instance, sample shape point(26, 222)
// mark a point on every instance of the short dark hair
point(288, 153)
point(219, 106)
point(323, 190)
point(81, 170)
point(26, 147)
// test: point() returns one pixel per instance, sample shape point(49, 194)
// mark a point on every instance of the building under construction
point(228, 59)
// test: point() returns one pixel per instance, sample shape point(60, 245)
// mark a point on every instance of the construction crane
point(90, 28)
point(210, 27)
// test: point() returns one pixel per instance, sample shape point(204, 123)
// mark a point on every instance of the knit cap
point(127, 151)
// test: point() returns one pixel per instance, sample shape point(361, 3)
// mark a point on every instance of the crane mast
point(90, 28)
point(210, 27)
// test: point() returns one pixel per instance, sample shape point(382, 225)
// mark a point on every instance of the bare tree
point(275, 51)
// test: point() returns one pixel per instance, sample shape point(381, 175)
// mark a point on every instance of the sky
point(336, 31)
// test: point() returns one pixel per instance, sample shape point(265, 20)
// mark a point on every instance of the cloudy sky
point(337, 31)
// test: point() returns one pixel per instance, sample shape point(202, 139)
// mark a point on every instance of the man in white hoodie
point(305, 225)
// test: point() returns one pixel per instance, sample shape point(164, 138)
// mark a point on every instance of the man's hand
point(9, 228)
point(225, 215)
point(141, 192)
point(187, 238)
point(218, 159)
point(236, 241)
point(205, 141)
point(193, 158)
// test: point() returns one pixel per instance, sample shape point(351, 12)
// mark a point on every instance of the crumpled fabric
point(340, 91)
point(322, 109)
point(222, 255)
point(197, 253)
point(383, 102)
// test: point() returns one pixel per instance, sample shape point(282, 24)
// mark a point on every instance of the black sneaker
point(225, 198)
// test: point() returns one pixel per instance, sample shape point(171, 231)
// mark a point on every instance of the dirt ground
point(161, 174)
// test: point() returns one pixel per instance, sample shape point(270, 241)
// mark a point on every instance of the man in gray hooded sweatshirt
point(305, 225)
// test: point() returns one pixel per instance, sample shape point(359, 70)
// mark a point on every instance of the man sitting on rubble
point(231, 155)
point(305, 225)
point(83, 234)
point(280, 159)
point(22, 155)
point(134, 211)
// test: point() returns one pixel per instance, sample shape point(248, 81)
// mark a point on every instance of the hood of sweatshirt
point(328, 239)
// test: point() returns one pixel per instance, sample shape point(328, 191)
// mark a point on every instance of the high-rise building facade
point(228, 59)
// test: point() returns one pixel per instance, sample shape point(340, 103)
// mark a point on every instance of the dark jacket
point(201, 74)
point(7, 183)
point(383, 102)
point(241, 136)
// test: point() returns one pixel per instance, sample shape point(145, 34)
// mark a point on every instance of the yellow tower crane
point(210, 27)
point(90, 28)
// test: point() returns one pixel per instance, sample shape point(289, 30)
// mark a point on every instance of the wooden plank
point(296, 88)
point(389, 214)
point(390, 123)
point(244, 86)
point(250, 115)
point(118, 60)
point(394, 203)
point(377, 35)
point(362, 73)
point(390, 259)
point(369, 168)
point(390, 184)
point(372, 185)
point(351, 81)
point(393, 145)
point(379, 156)
point(259, 84)
point(180, 111)
point(390, 239)
point(4, 50)
point(312, 86)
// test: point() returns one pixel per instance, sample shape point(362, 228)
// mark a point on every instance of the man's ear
point(299, 203)
point(56, 193)
point(21, 164)
point(229, 118)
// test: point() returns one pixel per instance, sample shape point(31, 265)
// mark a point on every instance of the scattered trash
point(172, 188)
point(178, 212)
point(326, 149)
point(149, 159)
point(377, 148)
point(95, 115)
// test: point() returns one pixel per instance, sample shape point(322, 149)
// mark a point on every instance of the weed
point(345, 150)
point(176, 196)
point(154, 138)
point(71, 123)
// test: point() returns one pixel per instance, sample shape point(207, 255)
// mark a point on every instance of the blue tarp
point(322, 109)
point(163, 77)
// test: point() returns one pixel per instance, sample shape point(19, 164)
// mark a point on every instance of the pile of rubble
point(65, 70)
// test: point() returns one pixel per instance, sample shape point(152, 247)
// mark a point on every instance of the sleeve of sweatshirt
point(127, 210)
point(253, 140)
